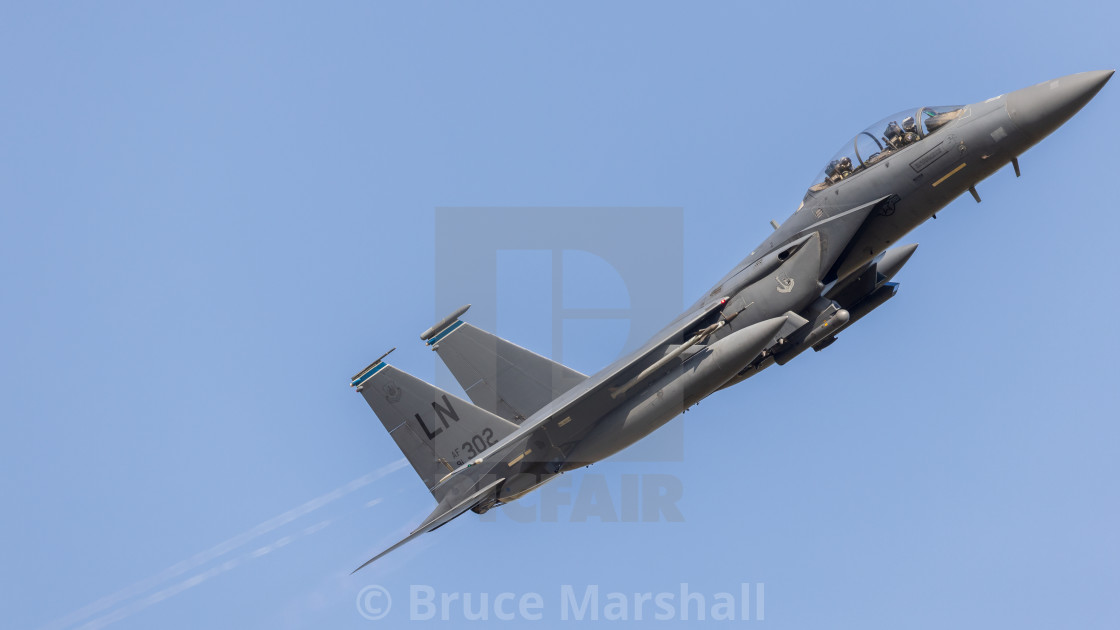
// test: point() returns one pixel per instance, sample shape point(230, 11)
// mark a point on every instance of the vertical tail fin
point(436, 431)
point(499, 376)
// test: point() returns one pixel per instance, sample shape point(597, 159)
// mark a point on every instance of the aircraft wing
point(571, 416)
point(584, 401)
point(438, 518)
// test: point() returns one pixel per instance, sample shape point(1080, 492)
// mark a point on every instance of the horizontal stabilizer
point(439, 517)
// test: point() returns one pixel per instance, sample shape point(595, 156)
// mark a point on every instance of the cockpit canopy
point(881, 140)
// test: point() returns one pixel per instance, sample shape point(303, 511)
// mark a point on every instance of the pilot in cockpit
point(899, 137)
point(893, 135)
point(838, 169)
point(910, 130)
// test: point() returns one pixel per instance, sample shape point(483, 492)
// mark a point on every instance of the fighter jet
point(830, 264)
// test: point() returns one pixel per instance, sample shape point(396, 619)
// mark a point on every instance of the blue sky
point(213, 215)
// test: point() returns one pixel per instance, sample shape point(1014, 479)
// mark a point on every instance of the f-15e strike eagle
point(827, 266)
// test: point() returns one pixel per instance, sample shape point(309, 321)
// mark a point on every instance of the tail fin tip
point(429, 334)
point(369, 370)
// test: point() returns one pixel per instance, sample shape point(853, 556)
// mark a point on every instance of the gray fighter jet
point(530, 418)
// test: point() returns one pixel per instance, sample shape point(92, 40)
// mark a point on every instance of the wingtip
point(368, 562)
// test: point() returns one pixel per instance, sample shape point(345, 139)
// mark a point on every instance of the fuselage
point(824, 267)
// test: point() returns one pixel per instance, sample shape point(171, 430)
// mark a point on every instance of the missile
point(676, 352)
point(887, 266)
point(666, 397)
point(829, 326)
point(865, 306)
point(443, 323)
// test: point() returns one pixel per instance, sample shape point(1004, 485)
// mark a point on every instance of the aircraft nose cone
point(1040, 109)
